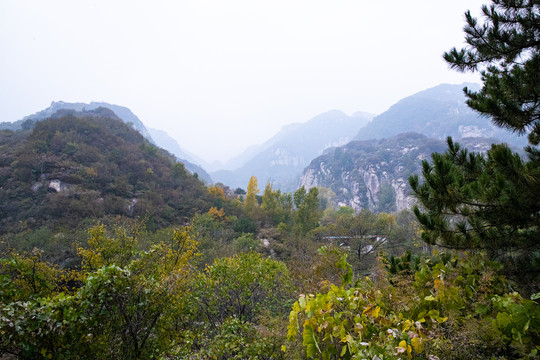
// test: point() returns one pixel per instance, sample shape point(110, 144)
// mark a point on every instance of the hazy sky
point(221, 75)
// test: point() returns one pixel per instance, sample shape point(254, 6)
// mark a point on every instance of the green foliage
point(504, 48)
point(347, 277)
point(239, 340)
point(128, 304)
point(246, 243)
point(439, 307)
point(351, 324)
point(492, 202)
point(242, 286)
point(308, 213)
point(474, 202)
point(244, 224)
point(517, 318)
point(215, 234)
point(276, 206)
point(26, 276)
point(364, 234)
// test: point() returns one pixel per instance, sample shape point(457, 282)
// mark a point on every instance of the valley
point(114, 237)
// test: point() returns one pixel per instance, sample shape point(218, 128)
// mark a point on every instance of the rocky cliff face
point(374, 174)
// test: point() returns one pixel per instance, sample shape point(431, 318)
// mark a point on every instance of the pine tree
point(491, 202)
point(471, 201)
point(505, 48)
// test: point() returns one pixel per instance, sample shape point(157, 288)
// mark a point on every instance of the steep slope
point(437, 113)
point(61, 108)
point(91, 166)
point(121, 112)
point(193, 163)
point(374, 174)
point(282, 158)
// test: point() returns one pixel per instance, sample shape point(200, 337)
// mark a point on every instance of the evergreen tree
point(506, 51)
point(492, 201)
point(475, 202)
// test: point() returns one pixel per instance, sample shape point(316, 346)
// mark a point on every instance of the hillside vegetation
point(68, 169)
point(161, 266)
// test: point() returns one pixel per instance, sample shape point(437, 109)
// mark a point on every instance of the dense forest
point(111, 249)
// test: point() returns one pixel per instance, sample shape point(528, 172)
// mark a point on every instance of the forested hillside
point(121, 112)
point(110, 249)
point(62, 108)
point(71, 168)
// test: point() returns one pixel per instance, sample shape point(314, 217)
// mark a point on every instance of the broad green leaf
point(343, 350)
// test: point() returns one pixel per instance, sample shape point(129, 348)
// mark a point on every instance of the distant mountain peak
point(282, 158)
point(437, 112)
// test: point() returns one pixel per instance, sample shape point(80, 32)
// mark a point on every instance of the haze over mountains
point(319, 152)
point(60, 108)
point(372, 171)
point(281, 159)
point(437, 112)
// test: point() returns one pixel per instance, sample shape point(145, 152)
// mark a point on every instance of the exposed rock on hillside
point(76, 167)
point(437, 112)
point(374, 174)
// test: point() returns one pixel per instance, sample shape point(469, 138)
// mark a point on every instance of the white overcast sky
point(221, 75)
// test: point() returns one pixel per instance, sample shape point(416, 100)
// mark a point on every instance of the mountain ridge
point(282, 158)
point(437, 112)
point(60, 108)
point(69, 168)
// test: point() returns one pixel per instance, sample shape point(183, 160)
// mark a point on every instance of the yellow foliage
point(217, 191)
point(417, 344)
point(91, 172)
point(251, 196)
point(437, 283)
point(218, 214)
